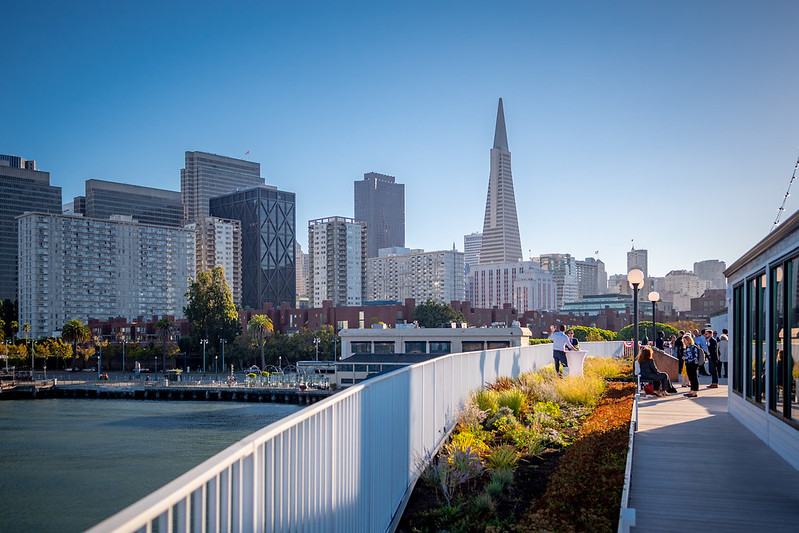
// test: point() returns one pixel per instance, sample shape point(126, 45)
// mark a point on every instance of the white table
point(575, 359)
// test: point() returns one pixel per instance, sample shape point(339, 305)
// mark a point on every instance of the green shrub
point(502, 457)
point(502, 413)
point(540, 341)
point(645, 330)
point(514, 399)
point(471, 418)
point(483, 504)
point(586, 333)
point(486, 400)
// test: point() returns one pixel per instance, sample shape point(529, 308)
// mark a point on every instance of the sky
point(673, 126)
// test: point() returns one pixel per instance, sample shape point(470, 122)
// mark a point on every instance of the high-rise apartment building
point(712, 270)
point(680, 286)
point(218, 243)
point(637, 259)
point(145, 204)
point(400, 273)
point(501, 242)
point(22, 188)
point(337, 261)
point(494, 285)
point(471, 249)
point(591, 277)
point(268, 235)
point(210, 175)
point(564, 271)
point(73, 267)
point(535, 290)
point(380, 202)
point(302, 276)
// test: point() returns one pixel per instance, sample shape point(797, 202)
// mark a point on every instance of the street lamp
point(223, 341)
point(636, 279)
point(334, 347)
point(203, 342)
point(124, 341)
point(316, 344)
point(654, 297)
point(216, 368)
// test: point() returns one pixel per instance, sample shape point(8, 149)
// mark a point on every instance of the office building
point(268, 235)
point(535, 290)
point(400, 273)
point(337, 261)
point(147, 205)
point(564, 272)
point(712, 270)
point(302, 276)
point(594, 305)
point(471, 249)
point(22, 189)
point(591, 277)
point(209, 175)
point(637, 259)
point(501, 242)
point(680, 286)
point(494, 285)
point(380, 202)
point(218, 243)
point(73, 267)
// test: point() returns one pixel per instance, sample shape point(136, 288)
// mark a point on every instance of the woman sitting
point(660, 380)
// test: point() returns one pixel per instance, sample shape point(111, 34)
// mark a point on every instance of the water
point(66, 465)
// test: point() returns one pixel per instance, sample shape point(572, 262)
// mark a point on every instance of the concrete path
point(696, 468)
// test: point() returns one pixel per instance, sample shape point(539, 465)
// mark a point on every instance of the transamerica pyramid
point(501, 242)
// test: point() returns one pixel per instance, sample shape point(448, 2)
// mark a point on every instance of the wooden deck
point(696, 468)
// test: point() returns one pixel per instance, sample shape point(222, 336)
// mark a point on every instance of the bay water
point(65, 465)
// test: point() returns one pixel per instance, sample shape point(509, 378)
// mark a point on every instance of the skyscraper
point(400, 273)
point(218, 243)
point(337, 261)
point(471, 249)
point(268, 234)
point(145, 204)
point(501, 242)
point(637, 259)
point(564, 272)
point(22, 188)
point(380, 202)
point(209, 175)
point(591, 277)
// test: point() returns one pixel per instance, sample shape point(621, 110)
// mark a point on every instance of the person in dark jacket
point(660, 340)
point(712, 359)
point(649, 370)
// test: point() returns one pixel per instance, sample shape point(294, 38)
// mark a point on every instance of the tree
point(210, 309)
point(74, 332)
point(261, 327)
point(431, 313)
point(645, 330)
point(164, 328)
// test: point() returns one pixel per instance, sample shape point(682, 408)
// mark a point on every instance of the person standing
point(661, 338)
point(560, 343)
point(723, 347)
point(701, 343)
point(712, 359)
point(574, 342)
point(678, 351)
point(691, 364)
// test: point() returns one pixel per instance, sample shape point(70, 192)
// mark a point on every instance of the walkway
point(696, 468)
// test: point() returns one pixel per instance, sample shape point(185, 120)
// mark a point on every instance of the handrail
point(343, 464)
point(626, 513)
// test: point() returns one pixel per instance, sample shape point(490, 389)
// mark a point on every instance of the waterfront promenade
point(696, 468)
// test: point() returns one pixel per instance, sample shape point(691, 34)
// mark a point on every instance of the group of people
point(693, 350)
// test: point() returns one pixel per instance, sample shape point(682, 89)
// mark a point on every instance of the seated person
point(648, 369)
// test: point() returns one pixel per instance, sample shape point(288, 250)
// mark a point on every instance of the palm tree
point(260, 326)
point(164, 327)
point(74, 332)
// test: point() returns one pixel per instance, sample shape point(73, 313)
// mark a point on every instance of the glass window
point(415, 347)
point(440, 347)
point(472, 346)
point(360, 368)
point(384, 347)
point(756, 333)
point(494, 345)
point(790, 367)
point(361, 347)
point(738, 338)
point(776, 354)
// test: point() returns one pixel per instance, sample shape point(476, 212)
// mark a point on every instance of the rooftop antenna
point(785, 198)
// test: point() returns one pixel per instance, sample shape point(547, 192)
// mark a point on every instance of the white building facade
point(73, 267)
point(218, 243)
point(400, 273)
point(337, 261)
point(494, 285)
point(680, 286)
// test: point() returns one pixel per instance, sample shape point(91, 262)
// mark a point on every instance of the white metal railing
point(343, 464)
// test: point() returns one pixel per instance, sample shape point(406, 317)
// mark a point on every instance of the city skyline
point(607, 109)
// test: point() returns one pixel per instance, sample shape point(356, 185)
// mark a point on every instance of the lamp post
point(203, 342)
point(316, 345)
point(124, 341)
point(223, 341)
point(636, 279)
point(216, 367)
point(100, 357)
point(654, 297)
point(334, 346)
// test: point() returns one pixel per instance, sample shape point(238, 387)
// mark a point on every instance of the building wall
point(145, 204)
point(268, 235)
point(22, 188)
point(337, 260)
point(206, 176)
point(416, 274)
point(380, 202)
point(218, 243)
point(74, 267)
point(493, 284)
point(302, 274)
point(535, 290)
point(638, 259)
point(471, 249)
point(564, 271)
point(712, 270)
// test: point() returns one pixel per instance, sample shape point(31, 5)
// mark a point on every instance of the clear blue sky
point(675, 124)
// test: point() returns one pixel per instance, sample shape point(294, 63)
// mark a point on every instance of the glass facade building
point(145, 204)
point(209, 175)
point(268, 236)
point(22, 189)
point(380, 202)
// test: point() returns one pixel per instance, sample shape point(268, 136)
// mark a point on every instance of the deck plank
point(696, 468)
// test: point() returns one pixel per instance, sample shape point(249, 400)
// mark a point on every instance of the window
point(755, 354)
point(384, 347)
point(415, 347)
point(472, 346)
point(361, 347)
point(493, 345)
point(785, 334)
point(440, 347)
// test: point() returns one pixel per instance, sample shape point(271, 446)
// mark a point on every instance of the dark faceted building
point(207, 176)
point(22, 188)
point(268, 234)
point(380, 202)
point(147, 205)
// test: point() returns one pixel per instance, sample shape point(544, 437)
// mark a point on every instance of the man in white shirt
point(560, 343)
